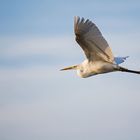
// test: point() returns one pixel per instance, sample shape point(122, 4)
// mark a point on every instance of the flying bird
point(99, 56)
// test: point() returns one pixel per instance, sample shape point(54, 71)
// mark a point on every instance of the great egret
point(99, 57)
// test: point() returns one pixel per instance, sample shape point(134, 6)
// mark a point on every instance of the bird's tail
point(127, 70)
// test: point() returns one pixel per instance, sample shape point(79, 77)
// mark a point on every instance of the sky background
point(37, 101)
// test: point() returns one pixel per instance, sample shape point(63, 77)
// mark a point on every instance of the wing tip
point(76, 19)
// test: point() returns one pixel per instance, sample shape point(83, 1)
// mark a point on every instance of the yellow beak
point(69, 68)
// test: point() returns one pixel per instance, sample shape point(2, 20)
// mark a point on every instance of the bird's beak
point(69, 68)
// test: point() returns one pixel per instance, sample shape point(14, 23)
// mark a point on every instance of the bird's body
point(90, 68)
point(99, 57)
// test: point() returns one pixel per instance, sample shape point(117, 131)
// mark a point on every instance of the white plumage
point(99, 57)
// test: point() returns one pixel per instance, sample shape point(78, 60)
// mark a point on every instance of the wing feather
point(91, 40)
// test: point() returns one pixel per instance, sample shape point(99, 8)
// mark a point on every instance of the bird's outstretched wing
point(91, 41)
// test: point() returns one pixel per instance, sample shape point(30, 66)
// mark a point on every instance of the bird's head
point(78, 68)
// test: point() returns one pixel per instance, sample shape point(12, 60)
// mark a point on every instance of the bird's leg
point(127, 70)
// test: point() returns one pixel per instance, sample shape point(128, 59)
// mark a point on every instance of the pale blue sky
point(37, 101)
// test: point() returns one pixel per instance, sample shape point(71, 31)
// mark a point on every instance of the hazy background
point(37, 101)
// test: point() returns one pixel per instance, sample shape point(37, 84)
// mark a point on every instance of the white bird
point(99, 57)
